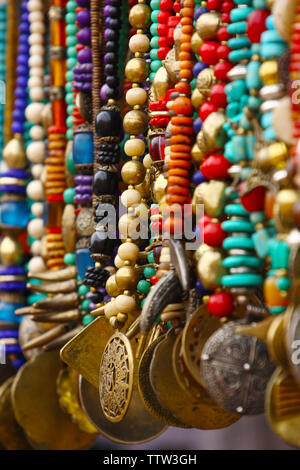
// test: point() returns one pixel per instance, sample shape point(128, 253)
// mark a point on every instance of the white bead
point(37, 27)
point(36, 61)
point(36, 16)
point(37, 209)
point(35, 5)
point(33, 112)
point(37, 49)
point(35, 38)
point(37, 132)
point(130, 197)
point(36, 152)
point(36, 72)
point(35, 81)
point(36, 228)
point(36, 247)
point(37, 170)
point(118, 262)
point(36, 93)
point(37, 265)
point(35, 190)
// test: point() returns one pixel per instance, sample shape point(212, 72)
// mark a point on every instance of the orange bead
point(180, 155)
point(186, 21)
point(186, 47)
point(182, 120)
point(178, 180)
point(186, 11)
point(178, 190)
point(273, 296)
point(185, 38)
point(178, 172)
point(269, 204)
point(182, 105)
point(185, 56)
point(188, 74)
point(180, 139)
point(182, 88)
point(187, 130)
point(189, 3)
point(187, 29)
point(172, 199)
point(180, 148)
point(179, 164)
point(186, 64)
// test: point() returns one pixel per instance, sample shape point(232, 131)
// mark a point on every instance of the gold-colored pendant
point(146, 391)
point(36, 406)
point(12, 436)
point(67, 389)
point(196, 411)
point(197, 330)
point(282, 406)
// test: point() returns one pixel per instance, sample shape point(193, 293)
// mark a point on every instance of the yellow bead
point(207, 25)
point(139, 16)
point(128, 251)
point(139, 43)
point(134, 147)
point(111, 286)
point(133, 172)
point(125, 303)
point(268, 72)
point(136, 96)
point(10, 251)
point(136, 70)
point(196, 43)
point(135, 122)
point(126, 278)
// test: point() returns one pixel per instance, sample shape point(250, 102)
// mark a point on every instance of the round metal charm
point(116, 377)
point(236, 369)
point(292, 342)
point(85, 224)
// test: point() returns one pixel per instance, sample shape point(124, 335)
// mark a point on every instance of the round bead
point(256, 24)
point(37, 209)
point(136, 70)
point(35, 190)
point(220, 304)
point(128, 252)
point(37, 265)
point(34, 112)
point(139, 43)
point(130, 197)
point(37, 132)
point(139, 16)
point(134, 147)
point(36, 152)
point(125, 303)
point(213, 234)
point(136, 96)
point(37, 170)
point(36, 93)
point(36, 247)
point(36, 228)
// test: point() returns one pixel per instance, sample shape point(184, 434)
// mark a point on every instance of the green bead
point(69, 195)
point(276, 310)
point(149, 272)
point(154, 42)
point(153, 54)
point(33, 298)
point(153, 29)
point(69, 75)
point(87, 319)
point(71, 29)
point(71, 52)
point(155, 65)
point(83, 290)
point(69, 121)
point(70, 164)
point(70, 259)
point(154, 4)
point(68, 88)
point(69, 135)
point(143, 286)
point(71, 6)
point(85, 304)
point(154, 16)
point(69, 98)
point(71, 62)
point(150, 257)
point(70, 108)
point(283, 283)
point(151, 76)
point(71, 18)
point(142, 302)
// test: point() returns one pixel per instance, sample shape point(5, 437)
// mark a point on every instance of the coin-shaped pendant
point(292, 342)
point(116, 377)
point(196, 411)
point(236, 369)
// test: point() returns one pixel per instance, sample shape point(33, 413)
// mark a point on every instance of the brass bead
point(133, 172)
point(268, 72)
point(14, 154)
point(205, 80)
point(10, 251)
point(197, 98)
point(139, 16)
point(126, 278)
point(136, 70)
point(135, 122)
point(196, 43)
point(197, 154)
point(213, 130)
point(111, 286)
point(210, 269)
point(207, 25)
point(212, 195)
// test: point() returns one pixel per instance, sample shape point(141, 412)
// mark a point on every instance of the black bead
point(112, 93)
point(111, 46)
point(110, 69)
point(105, 182)
point(100, 243)
point(114, 12)
point(111, 57)
point(108, 123)
point(115, 3)
point(112, 35)
point(114, 23)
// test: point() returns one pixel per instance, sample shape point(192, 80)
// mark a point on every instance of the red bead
point(223, 34)
point(220, 304)
point(218, 96)
point(162, 30)
point(203, 221)
point(163, 17)
point(221, 70)
point(173, 225)
point(256, 24)
point(254, 200)
point(214, 234)
point(227, 6)
point(206, 109)
point(177, 7)
point(166, 5)
point(165, 42)
point(215, 167)
point(208, 52)
point(162, 52)
point(214, 4)
point(225, 17)
point(153, 279)
point(223, 52)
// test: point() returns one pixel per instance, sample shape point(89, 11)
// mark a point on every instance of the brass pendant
point(147, 393)
point(138, 425)
point(199, 412)
point(36, 406)
point(67, 389)
point(12, 436)
point(283, 406)
point(200, 326)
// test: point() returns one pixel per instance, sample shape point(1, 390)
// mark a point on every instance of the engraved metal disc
point(116, 377)
point(85, 222)
point(292, 342)
point(236, 370)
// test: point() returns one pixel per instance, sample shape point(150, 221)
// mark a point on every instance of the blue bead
point(198, 67)
point(83, 148)
point(200, 11)
point(197, 125)
point(14, 214)
point(201, 289)
point(198, 178)
point(17, 128)
point(83, 260)
point(253, 79)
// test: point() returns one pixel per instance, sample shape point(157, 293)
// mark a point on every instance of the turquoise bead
point(149, 272)
point(250, 142)
point(69, 135)
point(70, 109)
point(83, 290)
point(269, 134)
point(68, 87)
point(69, 259)
point(154, 42)
point(150, 257)
point(240, 14)
point(239, 27)
point(245, 124)
point(230, 195)
point(155, 65)
point(154, 16)
point(239, 147)
point(235, 90)
point(271, 37)
point(260, 239)
point(253, 79)
point(238, 43)
point(279, 252)
point(71, 29)
point(69, 121)
point(69, 75)
point(71, 6)
point(153, 29)
point(71, 52)
point(236, 209)
point(260, 4)
point(69, 98)
point(71, 41)
point(142, 302)
point(154, 4)
point(87, 319)
point(236, 261)
point(69, 195)
point(151, 76)
point(242, 2)
point(270, 22)
point(70, 18)
point(257, 217)
point(240, 54)
point(143, 286)
point(243, 243)
point(242, 280)
point(153, 54)
point(237, 226)
point(84, 305)
point(232, 109)
point(246, 173)
point(71, 62)
point(33, 298)
point(277, 310)
point(267, 120)
point(283, 283)
point(271, 50)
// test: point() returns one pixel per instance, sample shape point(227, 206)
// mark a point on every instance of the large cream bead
point(37, 27)
point(35, 38)
point(111, 309)
point(37, 170)
point(36, 152)
point(139, 43)
point(35, 61)
point(130, 197)
point(36, 16)
point(128, 226)
point(128, 252)
point(35, 5)
point(134, 147)
point(36, 72)
point(35, 190)
point(36, 93)
point(33, 112)
point(37, 209)
point(125, 303)
point(35, 81)
point(136, 96)
point(37, 265)
point(37, 133)
point(36, 228)
point(37, 49)
point(147, 161)
point(36, 247)
point(118, 262)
